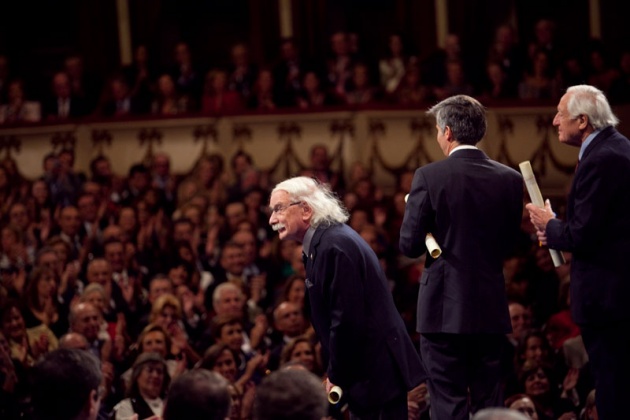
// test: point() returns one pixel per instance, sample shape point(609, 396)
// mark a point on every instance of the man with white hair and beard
point(368, 350)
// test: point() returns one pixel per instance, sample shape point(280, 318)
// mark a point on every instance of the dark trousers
point(392, 410)
point(608, 349)
point(464, 373)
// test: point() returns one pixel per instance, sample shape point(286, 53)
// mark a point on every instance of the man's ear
point(448, 133)
point(583, 121)
point(93, 404)
point(307, 212)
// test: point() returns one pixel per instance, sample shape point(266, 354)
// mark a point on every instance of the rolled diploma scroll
point(432, 245)
point(334, 395)
point(537, 200)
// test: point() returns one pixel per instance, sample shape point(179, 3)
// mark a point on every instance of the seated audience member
point(149, 383)
point(551, 400)
point(26, 345)
point(121, 102)
point(66, 385)
point(168, 101)
point(412, 90)
point(18, 109)
point(456, 83)
point(85, 319)
point(42, 305)
point(167, 313)
point(523, 404)
point(295, 290)
point(154, 339)
point(263, 96)
point(217, 98)
point(312, 94)
point(73, 340)
point(534, 347)
point(289, 323)
point(63, 104)
point(198, 395)
point(539, 82)
point(301, 350)
point(220, 359)
point(290, 394)
point(498, 414)
point(360, 89)
point(497, 85)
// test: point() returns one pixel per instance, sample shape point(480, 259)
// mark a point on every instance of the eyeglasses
point(281, 208)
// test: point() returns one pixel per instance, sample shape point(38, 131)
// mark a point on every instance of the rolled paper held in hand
point(432, 245)
point(537, 200)
point(334, 395)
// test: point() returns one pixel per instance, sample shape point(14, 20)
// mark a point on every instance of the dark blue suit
point(371, 356)
point(473, 207)
point(597, 233)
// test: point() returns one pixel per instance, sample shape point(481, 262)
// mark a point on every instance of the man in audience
point(66, 385)
point(198, 395)
point(290, 394)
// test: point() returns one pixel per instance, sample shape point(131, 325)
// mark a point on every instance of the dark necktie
point(304, 258)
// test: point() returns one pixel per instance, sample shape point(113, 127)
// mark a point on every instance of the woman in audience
point(219, 358)
point(295, 290)
point(523, 404)
point(154, 339)
point(539, 82)
point(167, 313)
point(263, 96)
point(550, 400)
point(18, 109)
point(312, 94)
point(302, 350)
point(217, 98)
point(168, 101)
point(42, 306)
point(26, 344)
point(149, 384)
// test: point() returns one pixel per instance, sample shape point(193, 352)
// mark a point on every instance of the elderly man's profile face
point(289, 218)
point(569, 131)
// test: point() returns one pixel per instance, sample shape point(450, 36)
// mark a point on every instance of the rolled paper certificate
point(432, 245)
point(334, 395)
point(537, 200)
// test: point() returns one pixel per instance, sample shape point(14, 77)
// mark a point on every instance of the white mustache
point(277, 227)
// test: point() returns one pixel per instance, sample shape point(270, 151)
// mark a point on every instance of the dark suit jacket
point(78, 107)
point(473, 207)
point(597, 231)
point(371, 356)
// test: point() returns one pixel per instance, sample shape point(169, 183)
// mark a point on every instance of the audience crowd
point(537, 68)
point(158, 274)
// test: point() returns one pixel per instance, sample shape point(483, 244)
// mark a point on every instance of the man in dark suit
point(369, 352)
point(63, 104)
point(472, 206)
point(597, 233)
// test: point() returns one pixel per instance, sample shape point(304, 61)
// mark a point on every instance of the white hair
point(590, 101)
point(326, 207)
point(498, 414)
point(216, 295)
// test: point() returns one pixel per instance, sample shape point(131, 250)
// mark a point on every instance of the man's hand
point(539, 218)
point(328, 385)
